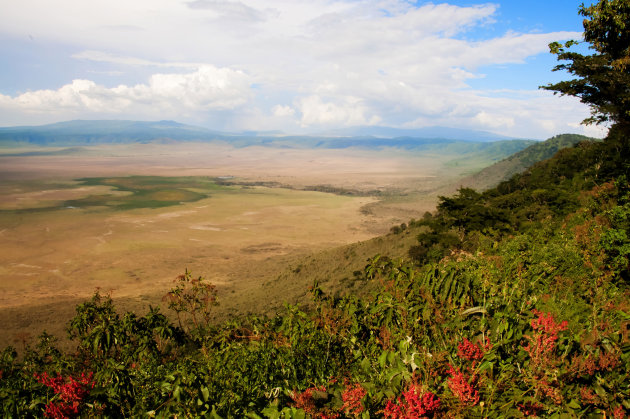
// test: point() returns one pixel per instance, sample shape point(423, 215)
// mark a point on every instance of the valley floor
point(251, 241)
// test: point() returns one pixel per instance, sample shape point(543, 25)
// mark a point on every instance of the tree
point(603, 78)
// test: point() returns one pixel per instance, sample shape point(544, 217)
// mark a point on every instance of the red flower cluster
point(619, 413)
point(315, 401)
point(312, 401)
point(588, 396)
point(552, 392)
point(306, 399)
point(472, 351)
point(543, 342)
point(530, 408)
point(460, 386)
point(413, 404)
point(70, 392)
point(547, 323)
point(352, 397)
point(587, 365)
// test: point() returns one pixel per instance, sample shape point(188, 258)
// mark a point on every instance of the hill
point(81, 133)
point(444, 133)
point(520, 161)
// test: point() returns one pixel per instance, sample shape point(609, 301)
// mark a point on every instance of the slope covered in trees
point(520, 161)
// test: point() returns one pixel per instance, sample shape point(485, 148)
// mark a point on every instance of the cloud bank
point(291, 65)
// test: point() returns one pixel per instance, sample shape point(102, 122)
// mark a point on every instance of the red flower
point(70, 392)
point(306, 399)
point(472, 351)
point(460, 386)
point(393, 410)
point(619, 413)
point(530, 408)
point(352, 397)
point(414, 404)
point(547, 323)
point(312, 401)
point(543, 342)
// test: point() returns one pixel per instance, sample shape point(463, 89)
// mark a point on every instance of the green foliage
point(534, 322)
point(547, 149)
point(194, 299)
point(603, 77)
point(615, 238)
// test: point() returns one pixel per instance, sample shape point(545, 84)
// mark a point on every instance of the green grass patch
point(137, 192)
point(147, 191)
point(153, 183)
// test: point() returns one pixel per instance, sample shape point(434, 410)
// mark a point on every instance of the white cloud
point(105, 57)
point(596, 131)
point(494, 120)
point(234, 10)
point(339, 62)
point(350, 112)
point(207, 88)
point(280, 111)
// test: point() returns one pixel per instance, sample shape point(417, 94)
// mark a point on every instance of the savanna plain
point(127, 219)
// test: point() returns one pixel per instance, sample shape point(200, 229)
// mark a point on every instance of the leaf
point(599, 390)
point(413, 364)
point(319, 395)
point(475, 310)
point(205, 393)
point(177, 392)
point(213, 413)
point(624, 315)
point(271, 412)
point(485, 365)
point(382, 359)
point(574, 404)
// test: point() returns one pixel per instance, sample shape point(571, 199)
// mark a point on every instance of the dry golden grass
point(247, 240)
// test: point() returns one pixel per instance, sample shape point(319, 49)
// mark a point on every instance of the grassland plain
point(127, 219)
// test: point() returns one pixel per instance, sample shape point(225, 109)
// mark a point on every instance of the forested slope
point(520, 161)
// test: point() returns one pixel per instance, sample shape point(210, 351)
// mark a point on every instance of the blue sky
point(294, 65)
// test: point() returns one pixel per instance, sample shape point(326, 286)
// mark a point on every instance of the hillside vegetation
point(520, 161)
point(514, 302)
point(517, 305)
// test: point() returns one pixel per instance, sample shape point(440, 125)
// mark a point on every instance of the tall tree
point(603, 77)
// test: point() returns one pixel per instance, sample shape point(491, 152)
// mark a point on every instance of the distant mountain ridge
point(436, 132)
point(86, 132)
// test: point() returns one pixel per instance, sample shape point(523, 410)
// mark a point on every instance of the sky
point(297, 66)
